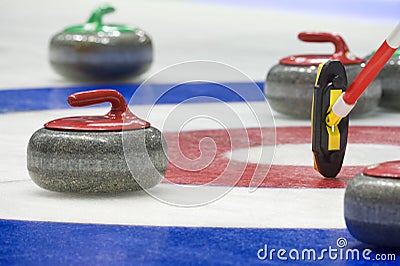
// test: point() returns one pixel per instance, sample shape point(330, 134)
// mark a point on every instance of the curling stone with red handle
point(390, 80)
point(288, 86)
point(97, 51)
point(88, 154)
point(372, 205)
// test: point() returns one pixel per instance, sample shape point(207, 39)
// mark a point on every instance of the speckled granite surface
point(289, 90)
point(91, 162)
point(371, 210)
point(100, 55)
point(389, 77)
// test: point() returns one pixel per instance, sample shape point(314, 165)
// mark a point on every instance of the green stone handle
point(97, 15)
point(95, 24)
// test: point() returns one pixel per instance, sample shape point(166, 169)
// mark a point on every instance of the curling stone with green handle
point(116, 152)
point(390, 80)
point(289, 84)
point(97, 51)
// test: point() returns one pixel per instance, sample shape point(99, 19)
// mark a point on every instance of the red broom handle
point(372, 68)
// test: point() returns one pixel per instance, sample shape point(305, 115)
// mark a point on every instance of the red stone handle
point(341, 48)
point(117, 119)
point(86, 98)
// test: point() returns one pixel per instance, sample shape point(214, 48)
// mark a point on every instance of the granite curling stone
point(116, 152)
point(390, 80)
point(97, 51)
point(372, 205)
point(289, 84)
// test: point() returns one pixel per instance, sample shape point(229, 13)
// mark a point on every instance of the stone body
point(390, 80)
point(101, 55)
point(97, 161)
point(372, 210)
point(289, 90)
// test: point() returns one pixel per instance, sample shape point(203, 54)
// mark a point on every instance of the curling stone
point(372, 205)
point(289, 84)
point(97, 51)
point(390, 80)
point(116, 152)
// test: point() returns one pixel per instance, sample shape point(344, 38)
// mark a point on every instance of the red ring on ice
point(279, 176)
